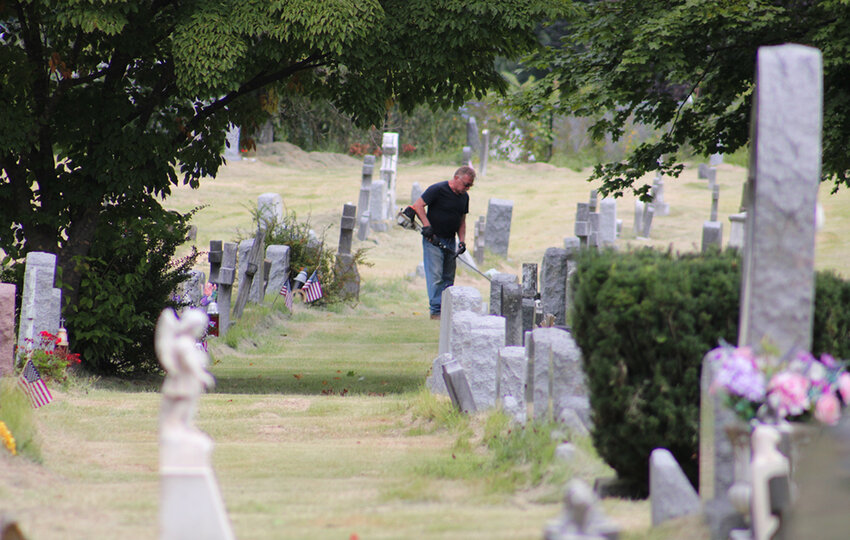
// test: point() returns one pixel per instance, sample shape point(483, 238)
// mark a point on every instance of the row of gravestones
point(377, 200)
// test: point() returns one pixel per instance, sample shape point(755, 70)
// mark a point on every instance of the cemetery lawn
point(321, 422)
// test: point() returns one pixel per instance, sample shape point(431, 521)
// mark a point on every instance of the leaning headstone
point(270, 210)
point(472, 134)
point(249, 272)
point(510, 374)
point(231, 148)
point(553, 284)
point(224, 279)
point(671, 494)
point(278, 255)
point(435, 381)
point(511, 310)
point(581, 519)
point(475, 343)
point(777, 298)
point(346, 228)
point(607, 222)
point(458, 387)
point(496, 282)
point(454, 300)
point(485, 149)
point(7, 329)
point(191, 505)
point(737, 225)
point(497, 233)
point(365, 186)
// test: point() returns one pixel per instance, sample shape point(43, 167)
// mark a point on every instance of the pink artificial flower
point(828, 409)
point(792, 390)
point(828, 360)
point(844, 387)
point(208, 289)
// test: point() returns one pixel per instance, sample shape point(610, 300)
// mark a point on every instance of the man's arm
point(461, 231)
point(419, 208)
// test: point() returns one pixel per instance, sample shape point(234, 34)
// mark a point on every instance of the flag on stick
point(312, 288)
point(287, 293)
point(33, 386)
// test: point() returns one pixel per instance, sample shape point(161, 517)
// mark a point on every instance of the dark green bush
point(127, 280)
point(644, 320)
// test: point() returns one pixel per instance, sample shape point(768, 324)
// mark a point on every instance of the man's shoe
point(435, 316)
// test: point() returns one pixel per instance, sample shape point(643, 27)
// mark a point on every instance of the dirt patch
point(289, 155)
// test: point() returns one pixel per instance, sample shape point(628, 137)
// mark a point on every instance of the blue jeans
point(439, 270)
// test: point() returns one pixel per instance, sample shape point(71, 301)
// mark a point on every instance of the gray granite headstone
point(648, 214)
point(245, 248)
point(658, 203)
point(496, 282)
point(466, 157)
point(454, 300)
point(553, 279)
point(363, 226)
point(365, 186)
point(377, 206)
point(593, 225)
point(671, 495)
point(702, 171)
point(346, 227)
point(214, 258)
point(40, 301)
point(511, 309)
point(479, 243)
point(278, 255)
point(348, 275)
point(712, 235)
point(224, 279)
point(497, 232)
point(472, 134)
point(435, 381)
point(510, 374)
point(7, 329)
point(607, 222)
point(193, 288)
point(582, 224)
point(270, 210)
point(737, 226)
point(485, 149)
point(529, 292)
point(458, 387)
point(638, 224)
point(715, 199)
point(475, 343)
point(592, 205)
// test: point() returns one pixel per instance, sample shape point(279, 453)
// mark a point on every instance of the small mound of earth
point(289, 155)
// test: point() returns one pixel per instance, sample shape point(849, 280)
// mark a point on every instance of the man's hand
point(461, 247)
point(428, 232)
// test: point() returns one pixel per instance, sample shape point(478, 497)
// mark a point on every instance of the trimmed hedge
point(644, 320)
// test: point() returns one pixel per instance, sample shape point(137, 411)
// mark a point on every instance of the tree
point(688, 68)
point(111, 103)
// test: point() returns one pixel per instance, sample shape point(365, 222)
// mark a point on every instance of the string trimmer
point(407, 220)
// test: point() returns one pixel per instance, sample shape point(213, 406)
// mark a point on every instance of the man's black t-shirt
point(445, 208)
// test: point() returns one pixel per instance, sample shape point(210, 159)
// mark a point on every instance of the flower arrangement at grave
point(51, 356)
point(794, 387)
point(7, 438)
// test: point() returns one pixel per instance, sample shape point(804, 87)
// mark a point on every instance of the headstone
point(702, 171)
point(466, 157)
point(454, 300)
point(529, 293)
point(278, 255)
point(581, 519)
point(191, 505)
point(607, 222)
point(40, 301)
point(510, 374)
point(250, 257)
point(737, 226)
point(231, 148)
point(661, 207)
point(415, 192)
point(458, 387)
point(346, 227)
point(7, 329)
point(671, 494)
point(193, 288)
point(347, 274)
point(485, 150)
point(377, 206)
point(711, 176)
point(553, 288)
point(365, 186)
point(389, 167)
point(573, 248)
point(472, 134)
point(479, 242)
point(269, 210)
point(497, 233)
point(715, 199)
point(591, 207)
point(214, 257)
point(192, 233)
point(777, 283)
point(648, 214)
point(363, 226)
point(224, 279)
point(511, 309)
point(715, 159)
point(582, 225)
point(712, 235)
point(638, 225)
point(266, 134)
point(475, 343)
point(558, 373)
point(496, 282)
point(593, 225)
point(435, 381)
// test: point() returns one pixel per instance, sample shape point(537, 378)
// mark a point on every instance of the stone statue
point(185, 364)
point(581, 519)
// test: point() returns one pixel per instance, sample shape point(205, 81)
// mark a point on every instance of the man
point(448, 204)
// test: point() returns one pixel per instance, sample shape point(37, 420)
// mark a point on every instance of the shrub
point(644, 320)
point(127, 280)
point(50, 359)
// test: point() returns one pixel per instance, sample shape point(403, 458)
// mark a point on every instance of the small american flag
point(312, 289)
point(286, 291)
point(33, 386)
